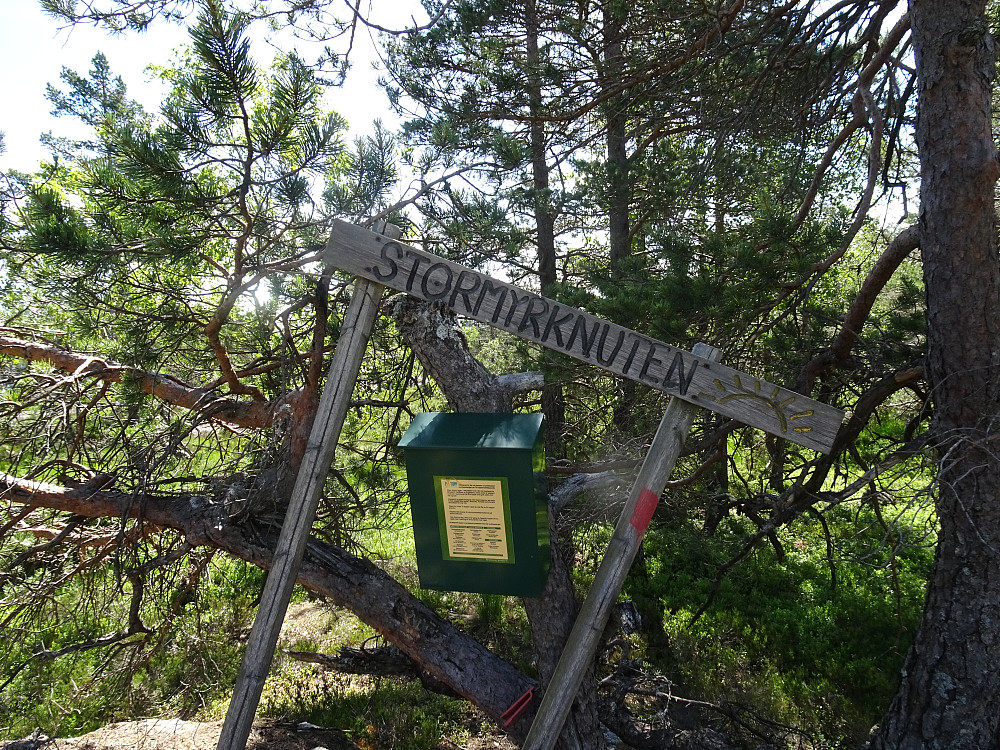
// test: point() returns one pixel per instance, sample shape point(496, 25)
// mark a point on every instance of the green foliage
point(56, 226)
point(184, 668)
point(378, 714)
point(489, 610)
point(812, 639)
point(181, 246)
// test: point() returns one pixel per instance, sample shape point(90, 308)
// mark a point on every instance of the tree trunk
point(552, 616)
point(544, 211)
point(949, 689)
point(616, 117)
point(619, 191)
point(553, 403)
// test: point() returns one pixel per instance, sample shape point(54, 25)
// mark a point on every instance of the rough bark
point(443, 352)
point(948, 694)
point(552, 616)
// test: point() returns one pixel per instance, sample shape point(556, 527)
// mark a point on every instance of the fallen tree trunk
point(445, 653)
point(445, 659)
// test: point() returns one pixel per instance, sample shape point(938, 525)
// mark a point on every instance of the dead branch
point(165, 387)
point(52, 654)
point(839, 351)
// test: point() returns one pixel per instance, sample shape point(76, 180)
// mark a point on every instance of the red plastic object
point(513, 713)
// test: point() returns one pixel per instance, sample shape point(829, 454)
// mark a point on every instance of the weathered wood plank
point(578, 654)
point(359, 320)
point(584, 336)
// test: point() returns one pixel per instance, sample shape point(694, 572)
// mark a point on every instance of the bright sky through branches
point(34, 48)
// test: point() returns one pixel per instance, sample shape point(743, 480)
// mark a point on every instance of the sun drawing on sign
point(757, 394)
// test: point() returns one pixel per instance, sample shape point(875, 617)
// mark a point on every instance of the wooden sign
point(584, 336)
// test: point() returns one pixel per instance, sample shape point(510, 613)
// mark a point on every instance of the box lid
point(469, 431)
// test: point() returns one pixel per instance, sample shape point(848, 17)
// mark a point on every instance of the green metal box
point(477, 496)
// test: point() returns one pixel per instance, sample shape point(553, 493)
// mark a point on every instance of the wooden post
point(354, 335)
point(583, 640)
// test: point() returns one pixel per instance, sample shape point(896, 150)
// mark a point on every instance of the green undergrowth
point(799, 634)
point(378, 713)
point(185, 668)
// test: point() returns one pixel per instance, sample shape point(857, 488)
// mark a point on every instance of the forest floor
point(175, 734)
